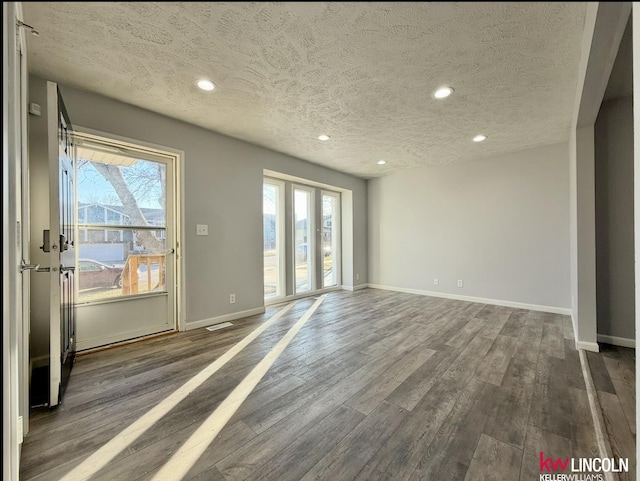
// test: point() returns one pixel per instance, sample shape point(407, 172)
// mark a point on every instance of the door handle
point(32, 267)
point(171, 251)
point(28, 267)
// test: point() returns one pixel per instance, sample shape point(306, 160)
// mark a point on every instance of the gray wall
point(614, 219)
point(39, 216)
point(222, 188)
point(501, 224)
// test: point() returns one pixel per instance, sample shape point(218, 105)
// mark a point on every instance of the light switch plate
point(202, 229)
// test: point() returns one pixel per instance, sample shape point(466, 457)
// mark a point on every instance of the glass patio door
point(303, 240)
point(330, 239)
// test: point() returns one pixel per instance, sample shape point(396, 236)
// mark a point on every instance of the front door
point(61, 246)
point(126, 238)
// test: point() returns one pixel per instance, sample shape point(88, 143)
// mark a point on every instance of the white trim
point(301, 180)
point(175, 217)
point(336, 242)
point(355, 288)
point(602, 439)
point(587, 346)
point(98, 342)
point(280, 232)
point(280, 300)
point(617, 341)
point(481, 300)
point(311, 237)
point(227, 317)
point(10, 454)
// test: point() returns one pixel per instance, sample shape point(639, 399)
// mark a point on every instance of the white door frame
point(15, 334)
point(177, 214)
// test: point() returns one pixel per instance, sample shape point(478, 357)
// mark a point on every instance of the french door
point(303, 240)
point(302, 248)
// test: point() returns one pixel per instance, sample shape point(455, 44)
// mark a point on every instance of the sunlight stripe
point(106, 453)
point(184, 458)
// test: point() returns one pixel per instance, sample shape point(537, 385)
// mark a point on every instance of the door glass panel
point(123, 219)
point(271, 239)
point(329, 240)
point(303, 241)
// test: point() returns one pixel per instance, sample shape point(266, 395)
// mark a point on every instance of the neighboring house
point(108, 244)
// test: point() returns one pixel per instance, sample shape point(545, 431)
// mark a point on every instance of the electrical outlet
point(232, 298)
point(202, 229)
point(357, 277)
point(460, 284)
point(436, 281)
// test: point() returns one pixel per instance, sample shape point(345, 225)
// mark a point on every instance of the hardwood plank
point(493, 460)
point(601, 379)
point(541, 441)
point(418, 384)
point(496, 317)
point(550, 407)
point(514, 323)
point(307, 450)
point(621, 439)
point(508, 405)
point(620, 364)
point(138, 463)
point(211, 474)
point(452, 449)
point(553, 340)
point(405, 448)
point(573, 366)
point(370, 396)
point(280, 407)
point(347, 458)
point(583, 437)
point(567, 324)
point(465, 365)
point(250, 457)
point(461, 338)
point(494, 364)
point(505, 383)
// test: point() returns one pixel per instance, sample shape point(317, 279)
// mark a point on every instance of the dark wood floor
point(613, 372)
point(377, 385)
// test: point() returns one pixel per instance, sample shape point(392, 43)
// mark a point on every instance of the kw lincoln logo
point(580, 469)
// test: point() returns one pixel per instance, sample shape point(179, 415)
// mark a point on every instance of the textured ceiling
point(362, 73)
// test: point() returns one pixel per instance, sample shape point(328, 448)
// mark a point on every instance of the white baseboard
point(355, 288)
point(227, 317)
point(481, 300)
point(588, 346)
point(617, 341)
point(282, 300)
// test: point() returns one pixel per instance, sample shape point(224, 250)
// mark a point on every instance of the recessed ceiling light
point(480, 138)
point(442, 93)
point(382, 162)
point(323, 137)
point(205, 84)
